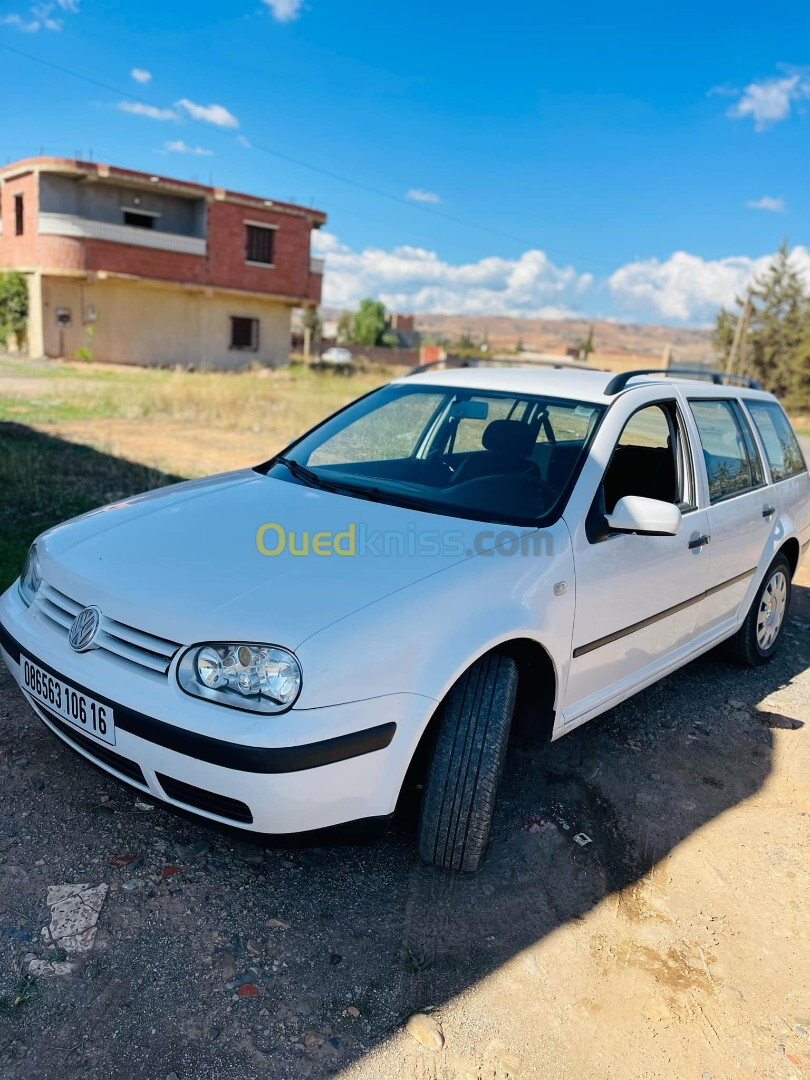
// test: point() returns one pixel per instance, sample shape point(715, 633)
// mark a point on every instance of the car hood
point(183, 562)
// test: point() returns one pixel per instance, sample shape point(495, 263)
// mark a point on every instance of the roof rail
point(474, 361)
point(719, 378)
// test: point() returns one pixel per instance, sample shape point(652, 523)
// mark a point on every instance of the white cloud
point(285, 10)
point(418, 195)
point(686, 288)
point(141, 75)
point(28, 26)
point(767, 202)
point(770, 100)
point(210, 114)
point(140, 108)
point(682, 289)
point(415, 279)
point(178, 146)
point(41, 16)
point(244, 141)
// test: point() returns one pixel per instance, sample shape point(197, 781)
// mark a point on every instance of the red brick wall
point(144, 262)
point(226, 250)
point(19, 250)
point(224, 265)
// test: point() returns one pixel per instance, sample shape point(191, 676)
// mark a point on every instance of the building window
point(139, 219)
point(244, 333)
point(19, 215)
point(260, 244)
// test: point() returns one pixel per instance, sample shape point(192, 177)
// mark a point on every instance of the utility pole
point(735, 365)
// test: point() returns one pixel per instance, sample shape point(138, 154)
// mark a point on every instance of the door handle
point(699, 541)
point(768, 510)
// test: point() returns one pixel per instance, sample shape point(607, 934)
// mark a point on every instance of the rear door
point(739, 507)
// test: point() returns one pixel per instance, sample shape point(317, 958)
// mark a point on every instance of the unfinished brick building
point(143, 269)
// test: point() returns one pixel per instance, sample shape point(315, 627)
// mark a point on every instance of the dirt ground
point(673, 945)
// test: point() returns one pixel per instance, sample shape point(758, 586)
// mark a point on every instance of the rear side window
point(781, 447)
point(732, 463)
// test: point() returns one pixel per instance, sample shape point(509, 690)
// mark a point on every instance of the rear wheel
point(466, 765)
point(758, 638)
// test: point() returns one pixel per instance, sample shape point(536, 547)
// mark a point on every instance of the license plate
point(70, 705)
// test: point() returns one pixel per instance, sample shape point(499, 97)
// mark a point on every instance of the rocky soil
point(672, 942)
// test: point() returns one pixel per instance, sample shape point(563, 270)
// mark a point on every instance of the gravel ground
point(674, 944)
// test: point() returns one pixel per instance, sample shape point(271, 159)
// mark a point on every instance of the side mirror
point(635, 514)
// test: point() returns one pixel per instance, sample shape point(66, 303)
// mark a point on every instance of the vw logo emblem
point(84, 628)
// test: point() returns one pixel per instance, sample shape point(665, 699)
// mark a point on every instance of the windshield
point(488, 455)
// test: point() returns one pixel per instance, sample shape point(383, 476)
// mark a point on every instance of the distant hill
point(613, 341)
point(555, 335)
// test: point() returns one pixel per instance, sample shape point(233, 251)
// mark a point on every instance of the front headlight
point(257, 678)
point(31, 577)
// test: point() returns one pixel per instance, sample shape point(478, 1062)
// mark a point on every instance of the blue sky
point(633, 161)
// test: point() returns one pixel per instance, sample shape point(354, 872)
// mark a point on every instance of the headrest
point(512, 438)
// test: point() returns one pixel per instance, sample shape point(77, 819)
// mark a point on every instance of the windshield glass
point(487, 455)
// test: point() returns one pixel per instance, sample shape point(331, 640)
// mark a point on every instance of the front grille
point(209, 801)
point(102, 753)
point(124, 642)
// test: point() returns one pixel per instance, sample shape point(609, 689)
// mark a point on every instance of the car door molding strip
point(582, 650)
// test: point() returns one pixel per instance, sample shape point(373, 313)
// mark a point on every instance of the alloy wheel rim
point(772, 606)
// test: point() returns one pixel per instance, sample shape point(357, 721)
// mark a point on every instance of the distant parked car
point(336, 357)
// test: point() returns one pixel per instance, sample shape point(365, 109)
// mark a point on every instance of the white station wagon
point(271, 647)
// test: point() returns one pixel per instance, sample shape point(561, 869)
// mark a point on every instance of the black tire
point(745, 647)
point(466, 764)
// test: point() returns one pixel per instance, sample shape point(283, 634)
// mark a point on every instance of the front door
point(636, 596)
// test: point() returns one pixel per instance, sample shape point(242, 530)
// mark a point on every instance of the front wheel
point(466, 765)
point(758, 638)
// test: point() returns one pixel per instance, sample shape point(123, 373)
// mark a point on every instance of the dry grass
point(77, 436)
point(190, 423)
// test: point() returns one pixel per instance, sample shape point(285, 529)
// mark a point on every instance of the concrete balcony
point(316, 265)
point(87, 229)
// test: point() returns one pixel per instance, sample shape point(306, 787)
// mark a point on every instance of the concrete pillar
point(36, 336)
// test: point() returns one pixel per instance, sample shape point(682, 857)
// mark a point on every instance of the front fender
point(420, 639)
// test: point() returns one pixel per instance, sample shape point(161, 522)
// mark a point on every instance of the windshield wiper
point(338, 487)
point(301, 472)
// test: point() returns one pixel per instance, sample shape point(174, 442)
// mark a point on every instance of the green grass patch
point(45, 481)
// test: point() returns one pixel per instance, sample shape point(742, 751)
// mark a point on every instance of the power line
point(330, 174)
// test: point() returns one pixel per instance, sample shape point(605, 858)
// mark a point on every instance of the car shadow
point(317, 929)
point(45, 480)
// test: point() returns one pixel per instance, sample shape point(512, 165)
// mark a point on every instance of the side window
point(648, 427)
point(732, 463)
point(650, 459)
point(757, 473)
point(781, 448)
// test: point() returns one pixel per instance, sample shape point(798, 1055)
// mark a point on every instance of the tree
point(13, 307)
point(310, 320)
point(345, 329)
point(370, 323)
point(776, 345)
point(587, 346)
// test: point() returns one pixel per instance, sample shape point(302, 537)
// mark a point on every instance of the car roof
point(576, 384)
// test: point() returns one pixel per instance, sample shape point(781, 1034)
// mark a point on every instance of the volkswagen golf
point(270, 648)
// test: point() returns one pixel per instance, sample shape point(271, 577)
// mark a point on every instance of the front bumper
point(336, 764)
